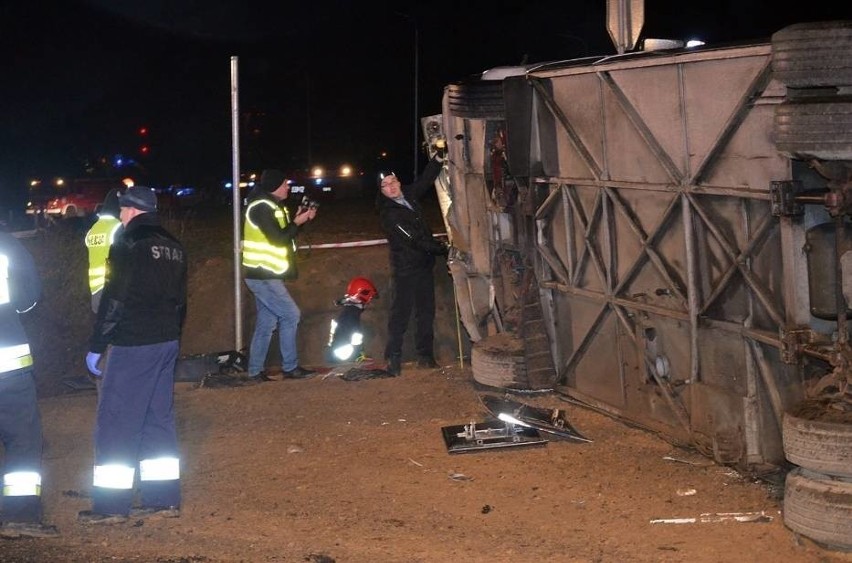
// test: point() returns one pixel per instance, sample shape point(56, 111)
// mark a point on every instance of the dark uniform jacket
point(144, 299)
point(412, 246)
point(264, 217)
point(24, 287)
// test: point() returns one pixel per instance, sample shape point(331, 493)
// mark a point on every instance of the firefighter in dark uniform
point(346, 337)
point(412, 259)
point(139, 320)
point(20, 420)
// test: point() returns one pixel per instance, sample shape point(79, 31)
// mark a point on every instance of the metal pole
point(236, 204)
point(840, 299)
point(310, 162)
point(416, 87)
point(458, 329)
point(416, 95)
point(692, 285)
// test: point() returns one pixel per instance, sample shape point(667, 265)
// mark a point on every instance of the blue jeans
point(275, 308)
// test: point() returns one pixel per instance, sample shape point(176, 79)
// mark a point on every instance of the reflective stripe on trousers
point(117, 476)
point(114, 476)
point(22, 484)
point(160, 469)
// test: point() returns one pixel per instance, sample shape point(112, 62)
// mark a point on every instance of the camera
point(308, 203)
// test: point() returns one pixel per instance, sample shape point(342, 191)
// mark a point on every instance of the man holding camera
point(269, 259)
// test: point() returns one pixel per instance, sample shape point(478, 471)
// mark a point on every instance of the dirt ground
point(326, 470)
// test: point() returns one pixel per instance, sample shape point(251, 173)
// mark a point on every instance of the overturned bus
point(665, 236)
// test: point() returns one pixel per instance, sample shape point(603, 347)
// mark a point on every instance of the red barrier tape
point(373, 242)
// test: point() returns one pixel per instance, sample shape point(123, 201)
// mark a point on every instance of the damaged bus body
point(666, 237)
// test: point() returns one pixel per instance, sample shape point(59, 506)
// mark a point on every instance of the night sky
point(319, 80)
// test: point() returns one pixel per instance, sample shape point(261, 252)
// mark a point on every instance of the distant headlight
point(345, 170)
point(317, 172)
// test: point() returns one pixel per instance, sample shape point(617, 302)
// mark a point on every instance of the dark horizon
point(327, 81)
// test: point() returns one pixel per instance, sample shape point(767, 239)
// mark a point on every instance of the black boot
point(394, 365)
point(427, 362)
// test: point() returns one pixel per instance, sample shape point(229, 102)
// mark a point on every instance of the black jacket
point(144, 299)
point(412, 246)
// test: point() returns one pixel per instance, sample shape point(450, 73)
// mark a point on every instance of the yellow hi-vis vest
point(13, 355)
point(258, 252)
point(98, 240)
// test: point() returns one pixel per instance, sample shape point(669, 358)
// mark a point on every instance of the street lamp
point(416, 97)
point(416, 89)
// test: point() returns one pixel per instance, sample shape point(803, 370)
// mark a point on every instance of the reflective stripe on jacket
point(18, 285)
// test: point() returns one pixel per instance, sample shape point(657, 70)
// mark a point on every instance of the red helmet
point(361, 290)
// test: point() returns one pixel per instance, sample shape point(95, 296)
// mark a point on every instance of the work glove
point(92, 360)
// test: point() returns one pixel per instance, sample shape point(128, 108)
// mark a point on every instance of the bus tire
point(498, 361)
point(476, 100)
point(818, 445)
point(818, 128)
point(819, 507)
point(813, 54)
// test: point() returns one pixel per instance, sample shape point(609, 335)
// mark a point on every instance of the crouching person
point(20, 420)
point(346, 337)
point(139, 318)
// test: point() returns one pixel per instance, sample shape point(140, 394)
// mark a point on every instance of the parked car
point(317, 182)
point(178, 197)
point(323, 183)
